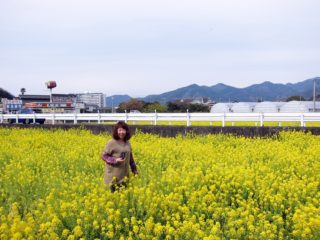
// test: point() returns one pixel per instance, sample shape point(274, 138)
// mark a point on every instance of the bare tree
point(22, 90)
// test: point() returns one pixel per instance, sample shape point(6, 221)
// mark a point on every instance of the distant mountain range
point(266, 91)
point(115, 100)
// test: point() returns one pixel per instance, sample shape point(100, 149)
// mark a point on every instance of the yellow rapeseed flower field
point(194, 187)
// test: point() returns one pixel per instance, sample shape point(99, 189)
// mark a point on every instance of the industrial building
point(267, 107)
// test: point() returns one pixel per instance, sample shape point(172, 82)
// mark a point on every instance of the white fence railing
point(154, 118)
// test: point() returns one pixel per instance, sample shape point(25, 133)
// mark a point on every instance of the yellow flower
point(77, 231)
point(135, 229)
point(240, 188)
point(65, 232)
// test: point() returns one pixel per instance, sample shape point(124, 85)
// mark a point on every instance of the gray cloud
point(155, 46)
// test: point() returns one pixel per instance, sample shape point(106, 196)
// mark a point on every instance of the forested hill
point(266, 91)
point(5, 94)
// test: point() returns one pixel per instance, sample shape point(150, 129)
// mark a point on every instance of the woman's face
point(121, 133)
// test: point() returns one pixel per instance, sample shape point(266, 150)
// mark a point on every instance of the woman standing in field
point(118, 157)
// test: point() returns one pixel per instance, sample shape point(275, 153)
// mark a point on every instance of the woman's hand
point(120, 160)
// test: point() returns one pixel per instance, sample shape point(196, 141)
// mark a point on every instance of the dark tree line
point(177, 106)
point(5, 94)
point(183, 107)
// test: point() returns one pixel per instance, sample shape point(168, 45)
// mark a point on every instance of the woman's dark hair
point(121, 124)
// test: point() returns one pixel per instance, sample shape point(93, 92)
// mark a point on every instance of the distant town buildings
point(199, 100)
point(92, 100)
point(96, 102)
point(10, 105)
point(84, 102)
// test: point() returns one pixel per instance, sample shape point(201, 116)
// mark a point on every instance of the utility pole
point(112, 104)
point(314, 95)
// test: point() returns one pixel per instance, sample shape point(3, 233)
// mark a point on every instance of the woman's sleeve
point(107, 155)
point(133, 164)
point(108, 159)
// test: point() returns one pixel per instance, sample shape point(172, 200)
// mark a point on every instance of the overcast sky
point(141, 47)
